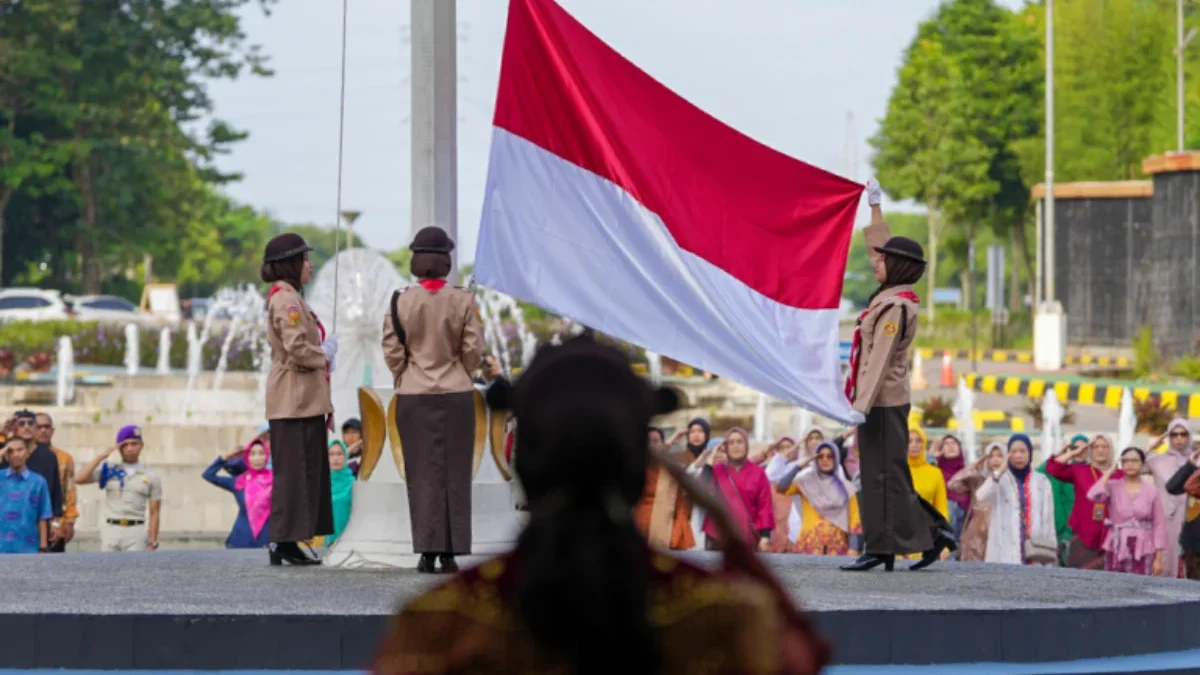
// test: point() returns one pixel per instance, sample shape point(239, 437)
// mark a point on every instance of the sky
point(810, 78)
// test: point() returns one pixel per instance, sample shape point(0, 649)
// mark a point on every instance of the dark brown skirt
point(437, 436)
point(301, 497)
point(895, 519)
point(1081, 557)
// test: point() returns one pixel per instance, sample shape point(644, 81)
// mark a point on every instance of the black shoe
point(869, 561)
point(290, 553)
point(943, 542)
point(448, 566)
point(426, 564)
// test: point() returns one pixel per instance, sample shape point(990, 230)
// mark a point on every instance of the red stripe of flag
point(778, 225)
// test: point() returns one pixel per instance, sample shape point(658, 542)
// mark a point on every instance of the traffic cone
point(918, 381)
point(947, 370)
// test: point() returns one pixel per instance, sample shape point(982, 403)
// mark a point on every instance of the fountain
point(132, 351)
point(65, 385)
point(164, 351)
point(246, 310)
point(964, 412)
point(762, 419)
point(193, 352)
point(493, 306)
point(1052, 414)
point(654, 368)
point(1126, 421)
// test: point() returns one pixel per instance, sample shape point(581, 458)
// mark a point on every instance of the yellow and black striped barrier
point(1016, 356)
point(1088, 393)
point(985, 420)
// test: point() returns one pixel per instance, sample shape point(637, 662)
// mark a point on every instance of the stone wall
point(1101, 240)
point(1174, 253)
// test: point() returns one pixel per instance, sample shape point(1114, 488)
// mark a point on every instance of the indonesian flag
point(612, 200)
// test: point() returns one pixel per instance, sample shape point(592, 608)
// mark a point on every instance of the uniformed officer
point(895, 519)
point(433, 342)
point(298, 403)
point(132, 495)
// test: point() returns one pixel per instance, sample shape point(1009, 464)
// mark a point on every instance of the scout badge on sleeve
point(889, 328)
point(293, 314)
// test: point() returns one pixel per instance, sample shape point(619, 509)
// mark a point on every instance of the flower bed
point(104, 344)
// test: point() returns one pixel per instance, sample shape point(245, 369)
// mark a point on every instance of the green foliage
point(936, 413)
point(953, 330)
point(1145, 357)
point(1188, 367)
point(1032, 408)
point(1152, 416)
point(104, 344)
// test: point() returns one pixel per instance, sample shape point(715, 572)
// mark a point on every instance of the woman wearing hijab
point(788, 518)
point(1082, 466)
point(896, 521)
point(745, 490)
point(299, 408)
point(979, 515)
point(341, 484)
point(1021, 531)
point(1064, 503)
point(1186, 483)
point(696, 436)
point(250, 482)
point(947, 453)
point(828, 502)
point(583, 593)
point(1164, 466)
point(1136, 527)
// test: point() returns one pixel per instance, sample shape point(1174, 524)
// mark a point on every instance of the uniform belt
point(124, 522)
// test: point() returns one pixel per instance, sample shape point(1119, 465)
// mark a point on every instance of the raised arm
point(1177, 482)
point(1099, 492)
point(987, 490)
point(88, 473)
point(877, 232)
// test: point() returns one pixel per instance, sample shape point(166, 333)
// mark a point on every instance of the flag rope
point(337, 216)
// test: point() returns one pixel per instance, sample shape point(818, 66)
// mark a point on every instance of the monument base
point(379, 534)
point(1049, 337)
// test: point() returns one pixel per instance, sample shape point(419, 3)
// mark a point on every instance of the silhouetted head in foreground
point(583, 585)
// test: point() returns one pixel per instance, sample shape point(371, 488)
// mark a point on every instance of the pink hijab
point(255, 485)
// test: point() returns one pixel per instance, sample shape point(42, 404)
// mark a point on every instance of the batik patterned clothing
point(707, 623)
point(24, 501)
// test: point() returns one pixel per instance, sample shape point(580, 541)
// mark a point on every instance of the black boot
point(426, 564)
point(944, 541)
point(448, 566)
point(290, 553)
point(869, 561)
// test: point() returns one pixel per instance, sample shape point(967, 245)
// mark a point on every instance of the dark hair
point(1141, 455)
point(288, 269)
point(656, 430)
point(26, 414)
point(430, 265)
point(583, 584)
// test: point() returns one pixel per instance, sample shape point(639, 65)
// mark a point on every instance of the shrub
point(1032, 408)
point(1145, 358)
point(936, 413)
point(1188, 367)
point(104, 344)
point(1152, 416)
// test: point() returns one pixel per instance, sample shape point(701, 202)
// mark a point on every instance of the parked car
point(108, 309)
point(33, 304)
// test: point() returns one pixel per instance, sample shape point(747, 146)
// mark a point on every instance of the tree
point(924, 149)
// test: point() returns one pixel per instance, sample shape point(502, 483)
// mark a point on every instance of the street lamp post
point(350, 217)
point(1050, 323)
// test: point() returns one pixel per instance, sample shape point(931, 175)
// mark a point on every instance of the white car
point(108, 309)
point(32, 304)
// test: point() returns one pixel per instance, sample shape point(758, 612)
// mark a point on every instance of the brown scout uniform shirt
point(296, 386)
point(444, 341)
point(883, 362)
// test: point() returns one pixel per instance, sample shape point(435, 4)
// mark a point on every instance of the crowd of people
point(1084, 507)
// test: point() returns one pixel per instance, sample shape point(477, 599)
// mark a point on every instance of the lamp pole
point(1049, 211)
point(350, 217)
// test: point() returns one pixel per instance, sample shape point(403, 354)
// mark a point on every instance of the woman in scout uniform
point(132, 495)
point(299, 409)
point(433, 342)
point(895, 520)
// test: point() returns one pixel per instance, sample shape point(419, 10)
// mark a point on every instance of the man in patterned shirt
point(62, 530)
point(24, 503)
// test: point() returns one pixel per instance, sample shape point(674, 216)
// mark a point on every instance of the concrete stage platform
point(228, 610)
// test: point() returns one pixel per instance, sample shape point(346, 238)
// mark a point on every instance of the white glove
point(330, 347)
point(874, 193)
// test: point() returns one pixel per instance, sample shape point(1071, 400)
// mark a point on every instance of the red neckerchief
point(432, 285)
point(321, 330)
point(856, 345)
